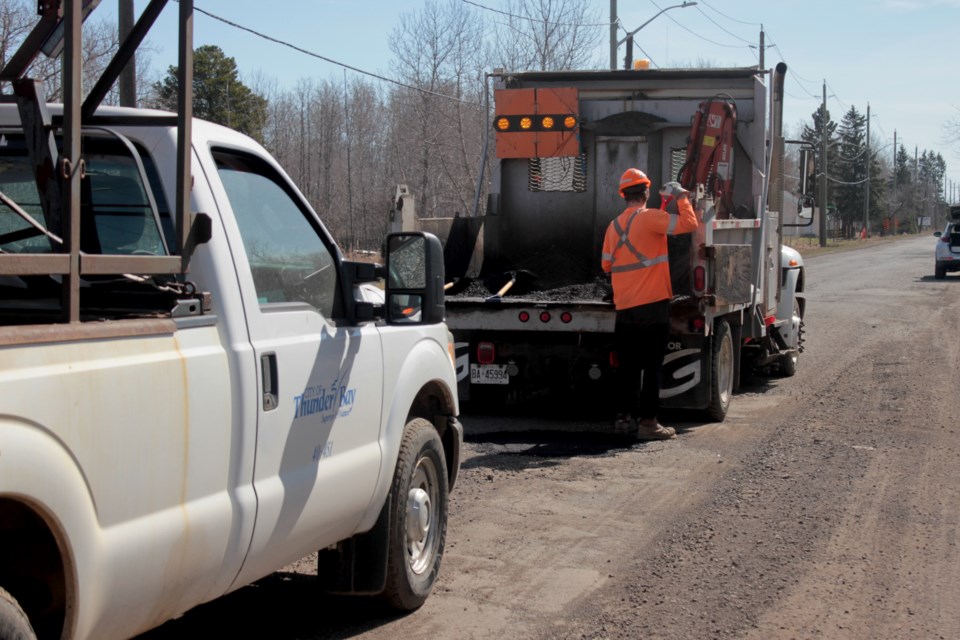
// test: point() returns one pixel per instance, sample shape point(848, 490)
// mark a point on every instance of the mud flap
point(462, 364)
point(685, 377)
point(358, 565)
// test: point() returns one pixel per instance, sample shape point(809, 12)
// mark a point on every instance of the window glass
point(288, 258)
point(16, 181)
point(124, 221)
point(116, 217)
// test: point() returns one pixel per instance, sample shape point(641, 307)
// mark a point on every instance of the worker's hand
point(673, 189)
point(606, 286)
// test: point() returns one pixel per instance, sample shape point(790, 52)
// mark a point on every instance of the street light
point(628, 59)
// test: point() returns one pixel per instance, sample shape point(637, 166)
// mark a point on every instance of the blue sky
point(894, 54)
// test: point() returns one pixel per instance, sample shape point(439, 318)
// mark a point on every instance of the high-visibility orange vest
point(635, 252)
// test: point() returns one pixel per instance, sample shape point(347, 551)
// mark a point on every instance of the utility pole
point(613, 35)
point(128, 76)
point(893, 202)
point(762, 48)
point(866, 195)
point(916, 181)
point(823, 159)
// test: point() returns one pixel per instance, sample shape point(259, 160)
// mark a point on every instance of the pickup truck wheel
point(721, 374)
point(418, 526)
point(939, 271)
point(14, 624)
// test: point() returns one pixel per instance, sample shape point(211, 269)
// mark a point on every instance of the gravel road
point(825, 506)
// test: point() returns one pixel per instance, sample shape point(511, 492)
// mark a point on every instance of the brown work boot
point(624, 425)
point(650, 429)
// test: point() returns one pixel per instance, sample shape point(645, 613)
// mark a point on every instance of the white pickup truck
point(190, 436)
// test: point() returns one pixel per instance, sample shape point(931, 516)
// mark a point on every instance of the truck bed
point(578, 307)
point(526, 291)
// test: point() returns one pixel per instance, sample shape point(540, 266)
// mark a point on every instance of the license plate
point(489, 374)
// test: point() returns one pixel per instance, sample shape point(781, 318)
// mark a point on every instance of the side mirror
point(806, 183)
point(414, 282)
point(937, 234)
point(807, 171)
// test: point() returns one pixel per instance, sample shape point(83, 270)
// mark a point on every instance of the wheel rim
point(725, 369)
point(422, 503)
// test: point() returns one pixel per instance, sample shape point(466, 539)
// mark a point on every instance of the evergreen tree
point(850, 172)
point(218, 94)
point(878, 189)
point(815, 136)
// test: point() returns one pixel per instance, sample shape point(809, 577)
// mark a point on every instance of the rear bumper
point(949, 265)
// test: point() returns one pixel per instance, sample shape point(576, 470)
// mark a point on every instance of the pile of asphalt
point(593, 291)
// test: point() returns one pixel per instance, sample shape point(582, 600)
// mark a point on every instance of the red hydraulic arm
point(710, 152)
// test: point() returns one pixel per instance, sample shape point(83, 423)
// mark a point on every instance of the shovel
point(514, 275)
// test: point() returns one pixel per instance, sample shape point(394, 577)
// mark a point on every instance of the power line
point(719, 26)
point(835, 181)
point(620, 24)
point(331, 60)
point(801, 97)
point(836, 97)
point(797, 77)
point(531, 19)
point(784, 58)
point(707, 5)
point(691, 31)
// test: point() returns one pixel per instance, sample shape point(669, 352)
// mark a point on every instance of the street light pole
point(628, 60)
point(613, 34)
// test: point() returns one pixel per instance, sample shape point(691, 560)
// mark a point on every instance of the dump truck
point(534, 320)
point(197, 388)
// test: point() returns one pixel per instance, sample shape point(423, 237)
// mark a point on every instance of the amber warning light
point(535, 123)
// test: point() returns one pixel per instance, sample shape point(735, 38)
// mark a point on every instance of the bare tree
point(100, 43)
point(548, 35)
point(952, 130)
point(437, 123)
point(16, 20)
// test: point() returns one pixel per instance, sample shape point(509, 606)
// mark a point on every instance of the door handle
point(271, 390)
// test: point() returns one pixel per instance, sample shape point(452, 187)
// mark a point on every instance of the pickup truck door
point(320, 380)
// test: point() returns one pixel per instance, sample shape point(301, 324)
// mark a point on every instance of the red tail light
point(699, 279)
point(524, 316)
point(697, 324)
point(486, 353)
point(945, 238)
point(544, 316)
point(614, 360)
point(566, 317)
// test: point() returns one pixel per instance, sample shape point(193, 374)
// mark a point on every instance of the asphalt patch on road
point(539, 449)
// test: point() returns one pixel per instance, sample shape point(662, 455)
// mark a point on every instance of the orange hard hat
point(632, 178)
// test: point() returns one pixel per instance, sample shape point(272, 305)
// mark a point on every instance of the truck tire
point(14, 624)
point(939, 271)
point(721, 371)
point(418, 524)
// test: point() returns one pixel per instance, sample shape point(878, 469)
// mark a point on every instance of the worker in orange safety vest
point(635, 256)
